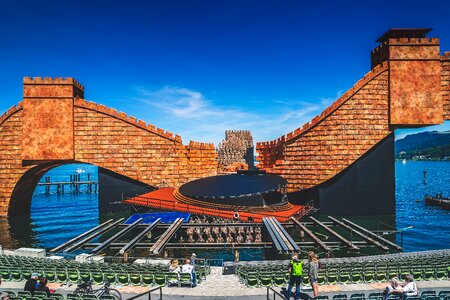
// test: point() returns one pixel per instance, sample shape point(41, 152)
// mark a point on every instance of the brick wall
point(10, 160)
point(332, 141)
point(122, 144)
point(108, 139)
point(445, 84)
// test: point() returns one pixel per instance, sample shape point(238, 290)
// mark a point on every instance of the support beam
point(166, 236)
point(335, 234)
point(366, 237)
point(373, 235)
point(116, 236)
point(273, 236)
point(139, 237)
point(79, 237)
point(312, 235)
point(286, 237)
point(93, 236)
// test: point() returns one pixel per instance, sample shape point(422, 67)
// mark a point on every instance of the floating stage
point(156, 232)
point(247, 196)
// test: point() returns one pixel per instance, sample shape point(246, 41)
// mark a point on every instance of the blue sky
point(197, 68)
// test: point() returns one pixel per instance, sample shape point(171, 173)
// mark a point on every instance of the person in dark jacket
point(42, 286)
point(30, 285)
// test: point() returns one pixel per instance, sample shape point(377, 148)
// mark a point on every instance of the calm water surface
point(57, 218)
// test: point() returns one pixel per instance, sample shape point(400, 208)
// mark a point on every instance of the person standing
point(313, 272)
point(295, 272)
point(193, 259)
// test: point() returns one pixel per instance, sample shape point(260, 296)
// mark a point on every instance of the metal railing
point(149, 293)
point(275, 294)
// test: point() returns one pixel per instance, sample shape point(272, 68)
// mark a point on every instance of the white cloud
point(194, 117)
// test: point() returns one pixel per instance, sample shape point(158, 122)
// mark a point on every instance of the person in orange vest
point(295, 272)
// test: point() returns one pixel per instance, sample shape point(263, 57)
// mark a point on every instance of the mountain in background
point(434, 145)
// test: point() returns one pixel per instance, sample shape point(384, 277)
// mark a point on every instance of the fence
point(149, 293)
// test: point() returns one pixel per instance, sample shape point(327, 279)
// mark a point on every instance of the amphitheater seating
point(432, 265)
point(18, 268)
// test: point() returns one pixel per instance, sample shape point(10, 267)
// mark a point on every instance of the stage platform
point(169, 199)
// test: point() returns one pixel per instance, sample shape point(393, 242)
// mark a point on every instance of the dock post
point(58, 188)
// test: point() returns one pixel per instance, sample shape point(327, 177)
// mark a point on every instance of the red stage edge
point(165, 199)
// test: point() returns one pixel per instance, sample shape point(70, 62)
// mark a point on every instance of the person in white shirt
point(188, 268)
point(410, 287)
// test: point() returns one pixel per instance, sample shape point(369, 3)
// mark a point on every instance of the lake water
point(56, 218)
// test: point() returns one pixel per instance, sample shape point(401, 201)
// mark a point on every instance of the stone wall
point(92, 134)
point(236, 148)
point(334, 140)
point(445, 85)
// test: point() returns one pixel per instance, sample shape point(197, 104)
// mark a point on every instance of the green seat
point(332, 277)
point(26, 274)
point(340, 297)
point(61, 276)
point(6, 274)
point(426, 294)
point(135, 279)
point(98, 277)
point(321, 278)
point(32, 298)
point(123, 278)
point(159, 279)
point(429, 274)
point(110, 277)
point(85, 276)
point(381, 275)
point(50, 275)
point(73, 297)
point(147, 279)
point(252, 281)
point(322, 297)
point(417, 273)
point(40, 294)
point(344, 277)
point(73, 276)
point(279, 279)
point(16, 275)
point(265, 280)
point(369, 276)
point(58, 296)
point(24, 294)
point(441, 273)
point(172, 278)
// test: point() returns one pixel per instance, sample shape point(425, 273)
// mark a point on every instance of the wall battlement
point(53, 80)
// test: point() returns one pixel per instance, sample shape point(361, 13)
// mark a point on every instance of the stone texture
point(235, 151)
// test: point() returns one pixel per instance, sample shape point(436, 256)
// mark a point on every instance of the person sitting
point(174, 266)
point(188, 268)
point(30, 284)
point(42, 286)
point(393, 287)
point(410, 288)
